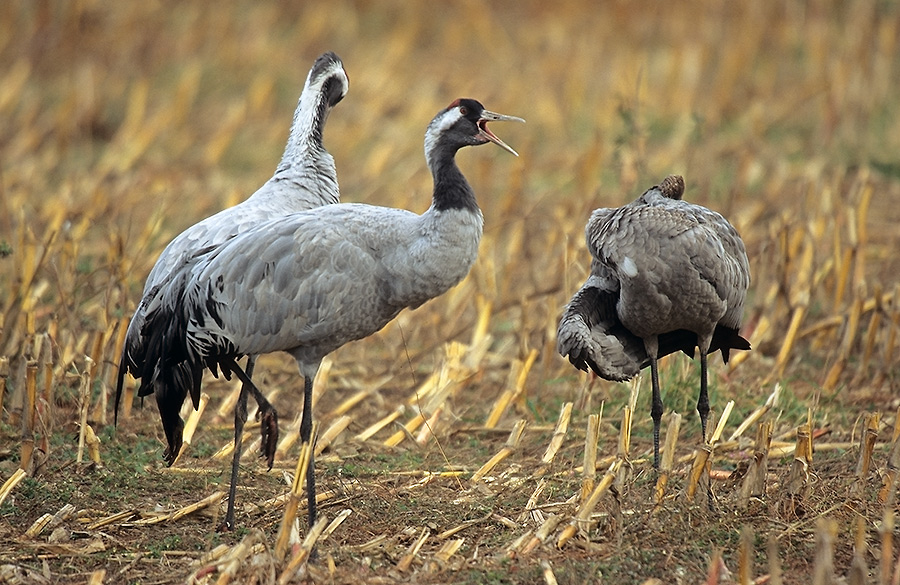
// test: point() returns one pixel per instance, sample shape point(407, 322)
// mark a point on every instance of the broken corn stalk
point(511, 443)
point(290, 509)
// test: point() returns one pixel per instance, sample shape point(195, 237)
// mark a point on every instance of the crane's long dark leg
point(656, 409)
point(305, 437)
point(267, 415)
point(703, 401)
point(250, 366)
point(703, 411)
point(240, 417)
point(656, 405)
point(269, 429)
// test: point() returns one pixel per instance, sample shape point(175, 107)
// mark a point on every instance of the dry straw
point(190, 427)
point(582, 518)
point(289, 519)
point(556, 440)
point(508, 449)
point(754, 484)
point(702, 464)
point(591, 438)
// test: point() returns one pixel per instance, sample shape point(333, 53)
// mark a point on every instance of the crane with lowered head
point(666, 276)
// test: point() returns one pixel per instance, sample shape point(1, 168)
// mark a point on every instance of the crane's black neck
point(451, 189)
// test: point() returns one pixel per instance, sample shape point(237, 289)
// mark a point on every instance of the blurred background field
point(125, 122)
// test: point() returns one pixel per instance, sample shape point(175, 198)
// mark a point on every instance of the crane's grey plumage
point(666, 276)
point(312, 281)
point(305, 178)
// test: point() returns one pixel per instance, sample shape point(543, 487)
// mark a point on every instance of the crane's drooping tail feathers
point(173, 367)
point(120, 383)
point(724, 339)
point(132, 358)
point(170, 371)
point(135, 357)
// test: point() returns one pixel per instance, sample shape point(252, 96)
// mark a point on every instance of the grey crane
point(305, 178)
point(312, 281)
point(666, 276)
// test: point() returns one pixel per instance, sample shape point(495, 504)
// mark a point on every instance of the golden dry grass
point(123, 123)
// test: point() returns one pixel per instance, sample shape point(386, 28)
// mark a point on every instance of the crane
point(309, 282)
point(666, 275)
point(305, 178)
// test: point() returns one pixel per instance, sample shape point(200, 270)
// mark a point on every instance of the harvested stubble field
point(125, 122)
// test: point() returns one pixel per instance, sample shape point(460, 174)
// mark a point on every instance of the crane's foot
point(268, 420)
point(227, 524)
point(225, 527)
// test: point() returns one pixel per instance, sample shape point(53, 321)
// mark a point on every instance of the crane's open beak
point(486, 117)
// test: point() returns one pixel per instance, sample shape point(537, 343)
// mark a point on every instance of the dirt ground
point(397, 496)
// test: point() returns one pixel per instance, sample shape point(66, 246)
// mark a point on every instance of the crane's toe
point(175, 441)
point(171, 453)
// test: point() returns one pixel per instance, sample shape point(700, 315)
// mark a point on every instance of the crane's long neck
point(304, 143)
point(444, 240)
point(306, 175)
point(451, 189)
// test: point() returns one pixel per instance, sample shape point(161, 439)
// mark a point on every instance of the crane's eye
point(464, 110)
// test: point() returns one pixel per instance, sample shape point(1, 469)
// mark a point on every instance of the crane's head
point(326, 85)
point(328, 79)
point(672, 187)
point(464, 123)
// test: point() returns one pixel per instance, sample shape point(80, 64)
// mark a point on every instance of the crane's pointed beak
point(486, 117)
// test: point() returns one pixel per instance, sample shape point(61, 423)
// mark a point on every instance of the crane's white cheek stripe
point(438, 126)
point(629, 268)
